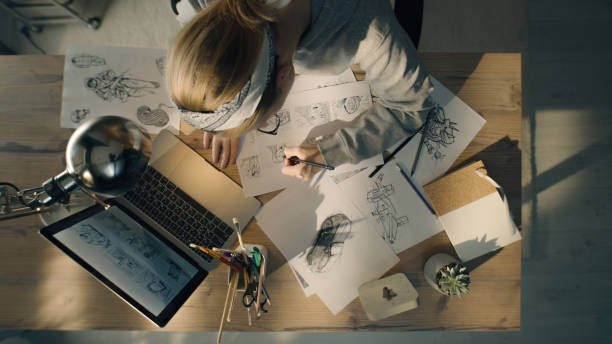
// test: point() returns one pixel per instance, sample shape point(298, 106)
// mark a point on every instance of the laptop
point(138, 247)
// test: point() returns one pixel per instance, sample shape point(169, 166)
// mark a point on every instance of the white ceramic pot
point(433, 265)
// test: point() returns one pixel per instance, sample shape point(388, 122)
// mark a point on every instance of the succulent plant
point(453, 279)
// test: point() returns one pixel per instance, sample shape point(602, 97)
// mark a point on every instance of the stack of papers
point(343, 229)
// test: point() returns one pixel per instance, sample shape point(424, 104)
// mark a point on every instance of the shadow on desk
point(503, 163)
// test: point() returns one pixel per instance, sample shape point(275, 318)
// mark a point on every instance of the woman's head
point(215, 56)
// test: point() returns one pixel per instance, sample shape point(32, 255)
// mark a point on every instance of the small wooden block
point(388, 296)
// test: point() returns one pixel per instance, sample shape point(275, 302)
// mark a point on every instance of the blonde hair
point(213, 57)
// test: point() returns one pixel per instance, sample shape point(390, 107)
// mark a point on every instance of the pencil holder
point(249, 252)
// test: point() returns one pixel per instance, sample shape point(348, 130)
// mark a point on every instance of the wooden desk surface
point(41, 288)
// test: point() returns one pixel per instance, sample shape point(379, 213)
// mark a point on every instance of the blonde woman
point(232, 66)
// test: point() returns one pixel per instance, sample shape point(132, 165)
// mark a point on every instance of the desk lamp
point(104, 157)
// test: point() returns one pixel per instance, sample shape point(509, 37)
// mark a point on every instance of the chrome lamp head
point(105, 156)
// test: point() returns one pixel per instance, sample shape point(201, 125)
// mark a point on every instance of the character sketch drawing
point(329, 241)
point(348, 105)
point(78, 115)
point(87, 60)
point(250, 165)
point(439, 133)
point(154, 117)
point(278, 153)
point(384, 210)
point(109, 86)
point(313, 114)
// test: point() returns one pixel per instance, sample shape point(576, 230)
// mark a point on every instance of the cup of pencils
point(245, 279)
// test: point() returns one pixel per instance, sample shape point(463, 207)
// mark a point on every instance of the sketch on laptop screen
point(130, 257)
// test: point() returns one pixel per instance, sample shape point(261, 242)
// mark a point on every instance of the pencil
point(216, 256)
point(390, 156)
point(296, 160)
point(416, 190)
point(418, 153)
point(227, 301)
point(237, 228)
point(243, 252)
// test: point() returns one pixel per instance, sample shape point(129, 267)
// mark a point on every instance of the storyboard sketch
point(402, 219)
point(450, 127)
point(119, 81)
point(304, 117)
point(326, 244)
point(131, 257)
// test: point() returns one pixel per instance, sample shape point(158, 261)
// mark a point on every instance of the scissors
point(250, 295)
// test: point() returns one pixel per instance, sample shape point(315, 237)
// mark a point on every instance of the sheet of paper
point(402, 218)
point(333, 262)
point(305, 82)
point(452, 126)
point(343, 253)
point(480, 227)
point(120, 81)
point(304, 117)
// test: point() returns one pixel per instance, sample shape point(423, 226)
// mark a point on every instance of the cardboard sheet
point(480, 227)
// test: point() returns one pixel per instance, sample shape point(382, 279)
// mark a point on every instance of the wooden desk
point(41, 288)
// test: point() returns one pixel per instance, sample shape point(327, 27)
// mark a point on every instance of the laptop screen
point(129, 258)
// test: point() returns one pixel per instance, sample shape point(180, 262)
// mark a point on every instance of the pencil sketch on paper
point(439, 133)
point(384, 210)
point(327, 246)
point(109, 86)
point(251, 166)
point(87, 60)
point(155, 117)
point(349, 105)
point(313, 114)
point(78, 115)
point(284, 116)
point(160, 63)
point(278, 153)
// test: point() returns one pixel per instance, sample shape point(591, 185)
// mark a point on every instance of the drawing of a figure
point(78, 115)
point(91, 236)
point(285, 116)
point(156, 117)
point(154, 284)
point(278, 153)
point(251, 166)
point(124, 261)
point(313, 114)
point(351, 104)
point(87, 60)
point(109, 86)
point(384, 210)
point(439, 132)
point(328, 243)
point(160, 62)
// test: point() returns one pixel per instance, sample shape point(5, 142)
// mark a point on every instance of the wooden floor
point(567, 159)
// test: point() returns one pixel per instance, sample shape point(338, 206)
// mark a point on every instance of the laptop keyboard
point(178, 213)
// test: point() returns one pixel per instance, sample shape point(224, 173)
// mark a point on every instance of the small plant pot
point(433, 265)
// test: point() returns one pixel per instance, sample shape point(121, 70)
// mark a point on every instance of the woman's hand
point(224, 146)
point(302, 171)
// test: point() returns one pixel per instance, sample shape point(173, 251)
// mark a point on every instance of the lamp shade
point(107, 155)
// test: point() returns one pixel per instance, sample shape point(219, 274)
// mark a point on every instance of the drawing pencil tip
point(193, 245)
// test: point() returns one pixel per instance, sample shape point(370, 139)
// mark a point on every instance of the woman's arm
point(401, 88)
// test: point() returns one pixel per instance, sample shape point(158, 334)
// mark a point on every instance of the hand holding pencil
point(303, 162)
